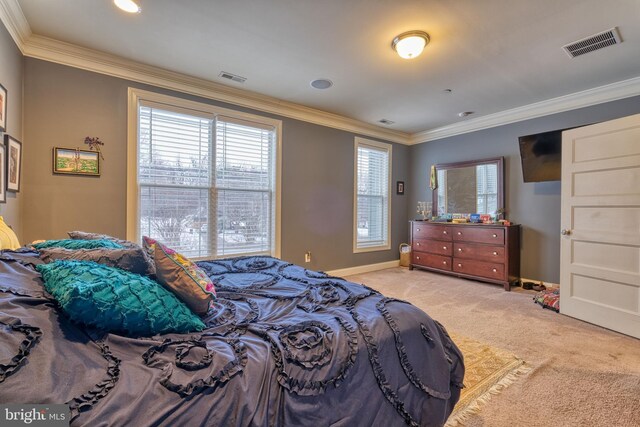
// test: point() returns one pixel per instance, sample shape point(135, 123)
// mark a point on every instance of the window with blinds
point(206, 182)
point(372, 189)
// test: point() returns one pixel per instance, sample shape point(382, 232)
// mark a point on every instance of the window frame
point(358, 141)
point(136, 97)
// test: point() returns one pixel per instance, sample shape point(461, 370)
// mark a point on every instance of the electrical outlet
point(307, 256)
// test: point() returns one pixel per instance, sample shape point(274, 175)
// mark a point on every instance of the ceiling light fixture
point(129, 6)
point(410, 44)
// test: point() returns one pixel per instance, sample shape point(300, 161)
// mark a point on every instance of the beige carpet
point(582, 375)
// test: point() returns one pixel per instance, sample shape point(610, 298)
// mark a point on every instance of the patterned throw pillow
point(114, 300)
point(83, 235)
point(78, 244)
point(132, 259)
point(180, 275)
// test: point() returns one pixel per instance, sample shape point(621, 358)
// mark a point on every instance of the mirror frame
point(499, 161)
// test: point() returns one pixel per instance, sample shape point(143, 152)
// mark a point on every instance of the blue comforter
point(284, 346)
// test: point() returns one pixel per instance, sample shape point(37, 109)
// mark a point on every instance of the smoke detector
point(594, 42)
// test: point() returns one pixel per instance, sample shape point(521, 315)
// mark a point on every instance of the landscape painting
point(76, 162)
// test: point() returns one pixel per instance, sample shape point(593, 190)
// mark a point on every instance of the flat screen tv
point(541, 156)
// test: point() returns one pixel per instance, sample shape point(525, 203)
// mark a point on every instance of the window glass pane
point(178, 217)
point(244, 222)
point(244, 187)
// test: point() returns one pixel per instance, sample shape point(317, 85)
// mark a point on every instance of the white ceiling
point(494, 54)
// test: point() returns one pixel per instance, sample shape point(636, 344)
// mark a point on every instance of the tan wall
point(11, 72)
point(63, 105)
point(61, 109)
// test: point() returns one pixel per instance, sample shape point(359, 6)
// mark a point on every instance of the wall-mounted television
point(541, 156)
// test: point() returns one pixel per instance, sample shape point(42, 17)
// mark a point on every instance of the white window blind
point(372, 195)
point(244, 187)
point(206, 183)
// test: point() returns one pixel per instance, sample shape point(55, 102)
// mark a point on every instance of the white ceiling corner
point(54, 49)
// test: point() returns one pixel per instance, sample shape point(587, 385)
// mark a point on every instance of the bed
point(283, 346)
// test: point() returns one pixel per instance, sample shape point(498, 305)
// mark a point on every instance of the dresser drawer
point(478, 268)
point(479, 235)
point(479, 252)
point(430, 260)
point(433, 246)
point(431, 231)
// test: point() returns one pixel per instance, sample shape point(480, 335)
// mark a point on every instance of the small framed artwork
point(400, 187)
point(14, 163)
point(72, 161)
point(3, 174)
point(3, 109)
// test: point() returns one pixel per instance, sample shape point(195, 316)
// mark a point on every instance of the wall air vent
point(386, 122)
point(232, 77)
point(594, 42)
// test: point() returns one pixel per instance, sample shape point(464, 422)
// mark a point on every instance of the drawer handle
point(417, 244)
point(495, 235)
point(417, 257)
point(459, 265)
point(459, 233)
point(444, 262)
point(444, 247)
point(494, 252)
point(417, 229)
point(444, 232)
point(494, 270)
point(459, 249)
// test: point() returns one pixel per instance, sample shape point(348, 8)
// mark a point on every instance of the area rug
point(488, 370)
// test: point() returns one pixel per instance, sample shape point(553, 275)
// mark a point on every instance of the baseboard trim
point(364, 268)
point(546, 284)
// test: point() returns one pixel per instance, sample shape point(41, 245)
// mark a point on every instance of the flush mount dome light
point(129, 6)
point(410, 44)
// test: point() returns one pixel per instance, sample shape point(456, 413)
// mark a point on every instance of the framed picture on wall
point(3, 109)
point(72, 161)
point(3, 173)
point(13, 163)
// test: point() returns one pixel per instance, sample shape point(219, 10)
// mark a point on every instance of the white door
point(600, 246)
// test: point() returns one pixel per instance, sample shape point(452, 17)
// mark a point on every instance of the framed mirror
point(469, 187)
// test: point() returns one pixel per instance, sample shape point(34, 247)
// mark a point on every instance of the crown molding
point(92, 60)
point(51, 50)
point(16, 23)
point(585, 98)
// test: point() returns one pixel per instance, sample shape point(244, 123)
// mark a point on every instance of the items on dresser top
point(489, 253)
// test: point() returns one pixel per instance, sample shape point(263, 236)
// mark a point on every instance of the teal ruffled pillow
point(115, 300)
point(78, 244)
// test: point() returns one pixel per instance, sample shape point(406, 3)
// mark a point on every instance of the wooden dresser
point(489, 253)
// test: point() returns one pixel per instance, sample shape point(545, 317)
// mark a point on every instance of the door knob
point(565, 232)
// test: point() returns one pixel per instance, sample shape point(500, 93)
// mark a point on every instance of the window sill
point(371, 249)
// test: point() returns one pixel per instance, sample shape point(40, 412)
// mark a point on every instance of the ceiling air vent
point(232, 77)
point(386, 122)
point(594, 42)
